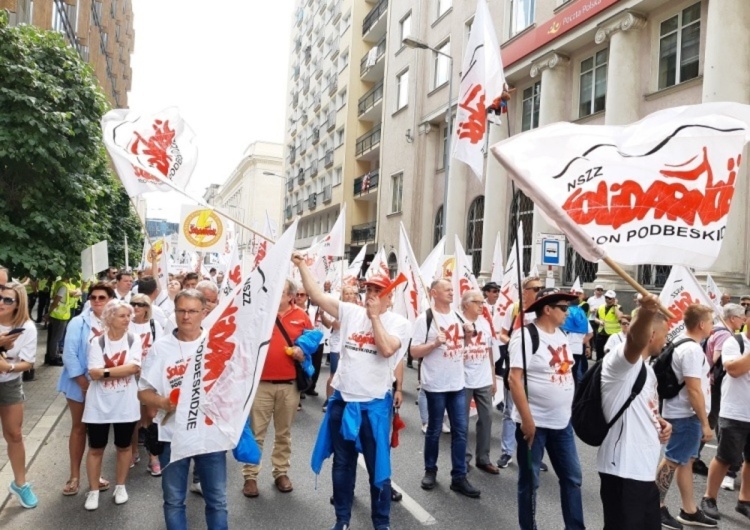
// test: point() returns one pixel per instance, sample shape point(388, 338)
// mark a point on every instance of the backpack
point(587, 415)
point(428, 318)
point(717, 371)
point(576, 321)
point(131, 340)
point(667, 384)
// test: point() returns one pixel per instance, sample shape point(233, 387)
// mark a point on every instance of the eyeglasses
point(563, 308)
point(138, 304)
point(188, 312)
point(745, 304)
point(535, 289)
point(99, 298)
point(624, 323)
point(7, 300)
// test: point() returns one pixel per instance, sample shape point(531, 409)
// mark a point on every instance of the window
point(443, 6)
point(342, 99)
point(344, 60)
point(521, 15)
point(340, 137)
point(577, 267)
point(474, 229)
point(593, 90)
point(654, 276)
point(530, 103)
point(405, 28)
point(442, 64)
point(392, 265)
point(679, 47)
point(438, 233)
point(337, 176)
point(402, 89)
point(397, 192)
point(521, 210)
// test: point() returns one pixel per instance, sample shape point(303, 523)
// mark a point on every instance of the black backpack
point(587, 415)
point(667, 384)
point(717, 371)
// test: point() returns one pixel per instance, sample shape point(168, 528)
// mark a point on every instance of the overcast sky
point(224, 67)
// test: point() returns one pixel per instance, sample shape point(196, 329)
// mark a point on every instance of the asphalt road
point(308, 506)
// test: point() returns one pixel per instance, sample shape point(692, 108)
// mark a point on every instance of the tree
point(58, 194)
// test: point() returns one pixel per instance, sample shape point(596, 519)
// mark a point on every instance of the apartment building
point(334, 120)
point(100, 31)
point(586, 61)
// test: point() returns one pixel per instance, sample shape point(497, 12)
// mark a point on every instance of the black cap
point(490, 285)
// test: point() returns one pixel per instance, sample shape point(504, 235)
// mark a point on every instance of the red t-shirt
point(279, 366)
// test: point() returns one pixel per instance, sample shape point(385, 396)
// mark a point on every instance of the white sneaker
point(195, 487)
point(92, 501)
point(424, 428)
point(446, 428)
point(120, 494)
point(727, 484)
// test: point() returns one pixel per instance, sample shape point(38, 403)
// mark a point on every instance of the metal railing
point(373, 16)
point(378, 55)
point(331, 120)
point(312, 201)
point(288, 212)
point(364, 233)
point(366, 183)
point(326, 193)
point(370, 99)
point(299, 207)
point(328, 160)
point(314, 168)
point(368, 141)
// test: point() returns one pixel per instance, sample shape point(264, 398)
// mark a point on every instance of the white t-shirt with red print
point(97, 328)
point(631, 449)
point(549, 375)
point(113, 400)
point(478, 372)
point(364, 374)
point(146, 336)
point(168, 361)
point(443, 367)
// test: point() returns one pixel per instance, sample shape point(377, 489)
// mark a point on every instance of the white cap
point(599, 286)
point(610, 294)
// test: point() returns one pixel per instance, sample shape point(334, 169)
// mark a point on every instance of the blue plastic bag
point(247, 450)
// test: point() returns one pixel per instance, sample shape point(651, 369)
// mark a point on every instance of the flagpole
point(143, 223)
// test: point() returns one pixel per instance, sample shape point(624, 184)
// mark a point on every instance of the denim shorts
point(685, 441)
point(334, 362)
point(11, 392)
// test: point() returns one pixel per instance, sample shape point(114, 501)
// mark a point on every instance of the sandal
point(103, 484)
point(71, 487)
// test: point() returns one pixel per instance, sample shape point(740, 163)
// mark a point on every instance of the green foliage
point(58, 194)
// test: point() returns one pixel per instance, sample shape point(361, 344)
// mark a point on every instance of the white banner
point(221, 380)
point(411, 298)
point(333, 243)
point(680, 291)
point(713, 292)
point(150, 152)
point(657, 191)
point(378, 265)
point(463, 278)
point(429, 268)
point(496, 275)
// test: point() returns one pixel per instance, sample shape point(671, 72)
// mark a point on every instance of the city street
point(307, 506)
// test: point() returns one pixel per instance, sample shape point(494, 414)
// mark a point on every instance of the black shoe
point(667, 521)
point(54, 362)
point(396, 495)
point(311, 392)
point(409, 364)
point(500, 406)
point(700, 468)
point(543, 467)
point(697, 519)
point(331, 500)
point(302, 395)
point(429, 480)
point(708, 505)
point(504, 461)
point(743, 507)
point(465, 488)
point(28, 375)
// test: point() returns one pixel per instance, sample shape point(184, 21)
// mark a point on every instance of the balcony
point(289, 184)
point(308, 54)
point(302, 147)
point(373, 69)
point(312, 201)
point(326, 194)
point(288, 212)
point(315, 136)
point(364, 233)
point(331, 122)
point(299, 207)
point(316, 102)
point(333, 84)
point(292, 155)
point(368, 142)
point(366, 183)
point(373, 26)
point(301, 176)
point(328, 160)
point(313, 168)
point(369, 106)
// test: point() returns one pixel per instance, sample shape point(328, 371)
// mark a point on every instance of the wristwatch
point(106, 373)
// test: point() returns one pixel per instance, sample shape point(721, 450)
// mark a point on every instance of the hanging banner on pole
point(201, 230)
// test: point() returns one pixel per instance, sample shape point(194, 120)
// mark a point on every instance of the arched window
point(522, 209)
point(392, 265)
point(474, 230)
point(438, 233)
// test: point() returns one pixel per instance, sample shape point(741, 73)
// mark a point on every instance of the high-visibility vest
point(611, 322)
point(62, 311)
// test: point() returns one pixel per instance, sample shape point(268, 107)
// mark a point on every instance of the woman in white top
point(618, 338)
point(146, 331)
point(18, 347)
point(112, 398)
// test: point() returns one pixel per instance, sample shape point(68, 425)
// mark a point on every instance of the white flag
point(576, 286)
point(680, 291)
point(713, 292)
point(509, 289)
point(429, 268)
point(378, 265)
point(233, 274)
point(150, 152)
point(354, 269)
point(463, 278)
point(411, 298)
point(163, 268)
point(656, 191)
point(497, 262)
point(333, 243)
point(271, 227)
point(482, 81)
point(212, 413)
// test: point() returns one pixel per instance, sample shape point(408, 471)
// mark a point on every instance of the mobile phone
point(16, 331)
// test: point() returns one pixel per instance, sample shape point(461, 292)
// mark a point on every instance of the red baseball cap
point(379, 280)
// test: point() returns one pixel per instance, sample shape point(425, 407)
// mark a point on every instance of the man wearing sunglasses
point(544, 397)
point(608, 318)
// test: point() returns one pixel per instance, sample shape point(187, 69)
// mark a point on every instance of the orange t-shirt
point(279, 366)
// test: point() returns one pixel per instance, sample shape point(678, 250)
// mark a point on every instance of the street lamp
point(410, 42)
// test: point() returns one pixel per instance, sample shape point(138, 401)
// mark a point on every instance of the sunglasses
point(745, 304)
point(7, 300)
point(138, 304)
point(492, 291)
point(562, 307)
point(608, 298)
point(99, 298)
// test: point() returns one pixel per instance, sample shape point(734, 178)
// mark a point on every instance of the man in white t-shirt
point(168, 360)
point(479, 374)
point(124, 285)
point(688, 414)
point(595, 301)
point(734, 416)
point(147, 285)
point(373, 343)
point(628, 457)
point(541, 382)
point(530, 287)
point(441, 348)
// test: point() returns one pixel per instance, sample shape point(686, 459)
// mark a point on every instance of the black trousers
point(629, 504)
point(599, 342)
point(43, 299)
point(317, 360)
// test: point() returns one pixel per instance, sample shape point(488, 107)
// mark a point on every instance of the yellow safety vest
point(611, 322)
point(62, 311)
